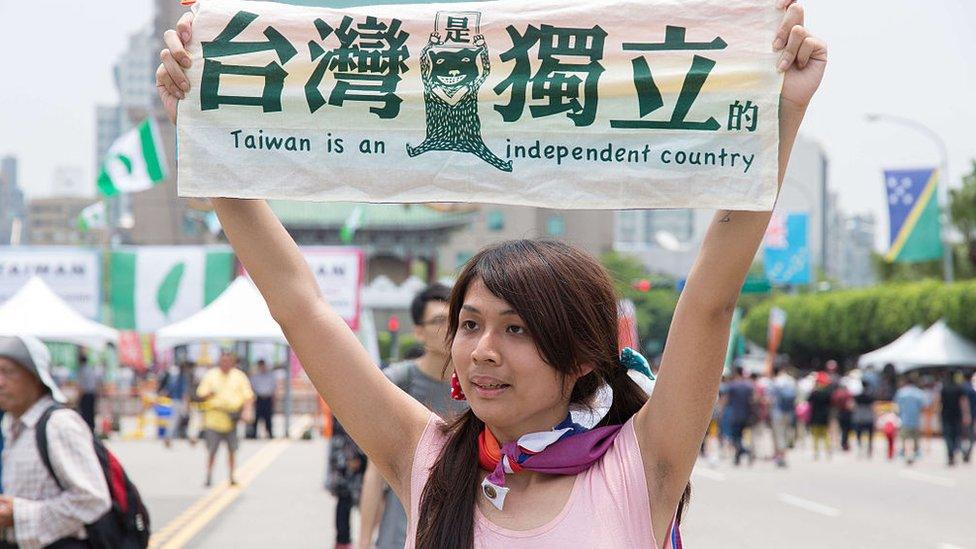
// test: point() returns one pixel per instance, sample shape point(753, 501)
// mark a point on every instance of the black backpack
point(126, 524)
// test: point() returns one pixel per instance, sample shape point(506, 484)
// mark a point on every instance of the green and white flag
point(135, 162)
point(351, 225)
point(153, 286)
point(92, 217)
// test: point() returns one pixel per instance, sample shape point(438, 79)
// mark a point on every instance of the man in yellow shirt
point(225, 394)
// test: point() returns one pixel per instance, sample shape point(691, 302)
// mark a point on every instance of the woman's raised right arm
point(383, 420)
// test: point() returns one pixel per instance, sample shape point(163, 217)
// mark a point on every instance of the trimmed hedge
point(848, 323)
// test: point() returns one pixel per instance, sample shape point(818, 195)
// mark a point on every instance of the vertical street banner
point(339, 272)
point(611, 104)
point(913, 214)
point(786, 252)
point(153, 286)
point(74, 274)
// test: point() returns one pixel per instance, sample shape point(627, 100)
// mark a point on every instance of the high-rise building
point(158, 215)
point(135, 73)
point(53, 221)
point(851, 248)
point(667, 241)
point(11, 200)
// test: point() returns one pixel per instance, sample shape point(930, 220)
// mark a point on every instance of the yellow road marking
point(181, 530)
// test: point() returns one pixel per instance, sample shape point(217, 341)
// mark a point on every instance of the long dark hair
point(567, 301)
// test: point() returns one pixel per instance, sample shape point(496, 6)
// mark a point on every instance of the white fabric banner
point(610, 104)
point(73, 274)
point(339, 272)
point(168, 285)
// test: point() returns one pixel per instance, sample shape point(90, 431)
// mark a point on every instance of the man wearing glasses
point(427, 380)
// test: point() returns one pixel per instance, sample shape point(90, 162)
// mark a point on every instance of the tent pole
point(288, 395)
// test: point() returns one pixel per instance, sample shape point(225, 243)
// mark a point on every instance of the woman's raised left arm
point(670, 427)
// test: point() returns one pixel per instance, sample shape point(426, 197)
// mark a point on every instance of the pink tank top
point(607, 509)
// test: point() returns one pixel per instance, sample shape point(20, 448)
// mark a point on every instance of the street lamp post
point(943, 184)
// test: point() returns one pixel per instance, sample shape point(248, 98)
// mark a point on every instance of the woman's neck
point(545, 420)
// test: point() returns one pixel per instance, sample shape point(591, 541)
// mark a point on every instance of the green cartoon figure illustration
point(451, 82)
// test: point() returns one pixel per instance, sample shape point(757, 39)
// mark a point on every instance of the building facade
point(53, 221)
point(667, 241)
point(12, 210)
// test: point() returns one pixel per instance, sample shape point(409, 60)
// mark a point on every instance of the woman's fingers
point(184, 27)
point(174, 70)
point(811, 48)
point(798, 34)
point(792, 18)
point(164, 80)
point(175, 46)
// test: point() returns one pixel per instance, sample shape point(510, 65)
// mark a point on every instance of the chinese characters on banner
point(616, 104)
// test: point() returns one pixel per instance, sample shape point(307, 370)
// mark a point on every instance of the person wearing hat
point(34, 511)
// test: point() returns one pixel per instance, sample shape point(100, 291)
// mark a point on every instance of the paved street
point(843, 502)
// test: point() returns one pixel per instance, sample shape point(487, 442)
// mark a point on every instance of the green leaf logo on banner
point(169, 288)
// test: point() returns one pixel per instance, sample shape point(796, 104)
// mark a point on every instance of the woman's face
point(507, 383)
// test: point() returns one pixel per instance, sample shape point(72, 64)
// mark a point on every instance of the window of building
point(556, 225)
point(496, 220)
point(462, 258)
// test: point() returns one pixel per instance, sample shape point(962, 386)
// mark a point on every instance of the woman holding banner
point(561, 445)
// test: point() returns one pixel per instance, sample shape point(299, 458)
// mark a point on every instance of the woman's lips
point(488, 387)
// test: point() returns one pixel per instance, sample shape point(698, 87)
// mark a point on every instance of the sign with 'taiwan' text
point(612, 104)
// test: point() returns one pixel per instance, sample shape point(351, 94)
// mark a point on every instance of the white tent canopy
point(939, 346)
point(892, 352)
point(239, 314)
point(36, 310)
point(383, 293)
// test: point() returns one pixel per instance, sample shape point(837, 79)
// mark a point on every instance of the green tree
point(655, 308)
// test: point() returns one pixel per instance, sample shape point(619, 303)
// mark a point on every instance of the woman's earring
point(456, 392)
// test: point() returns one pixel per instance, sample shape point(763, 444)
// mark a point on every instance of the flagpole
point(943, 183)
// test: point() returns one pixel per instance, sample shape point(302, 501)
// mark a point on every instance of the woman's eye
point(468, 325)
point(466, 60)
point(517, 330)
point(439, 61)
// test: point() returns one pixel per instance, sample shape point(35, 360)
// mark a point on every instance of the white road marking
point(924, 477)
point(708, 473)
point(808, 505)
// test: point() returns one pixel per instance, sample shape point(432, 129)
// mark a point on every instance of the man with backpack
point(62, 488)
point(34, 510)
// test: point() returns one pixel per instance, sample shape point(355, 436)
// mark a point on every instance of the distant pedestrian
point(969, 438)
point(820, 405)
point(226, 395)
point(863, 419)
point(89, 385)
point(34, 511)
point(347, 464)
point(175, 385)
point(264, 383)
point(954, 412)
point(842, 402)
point(782, 406)
point(740, 397)
point(910, 401)
point(889, 423)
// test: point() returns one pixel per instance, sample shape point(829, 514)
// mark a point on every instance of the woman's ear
point(585, 369)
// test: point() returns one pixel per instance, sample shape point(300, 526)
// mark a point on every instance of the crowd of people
point(827, 411)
